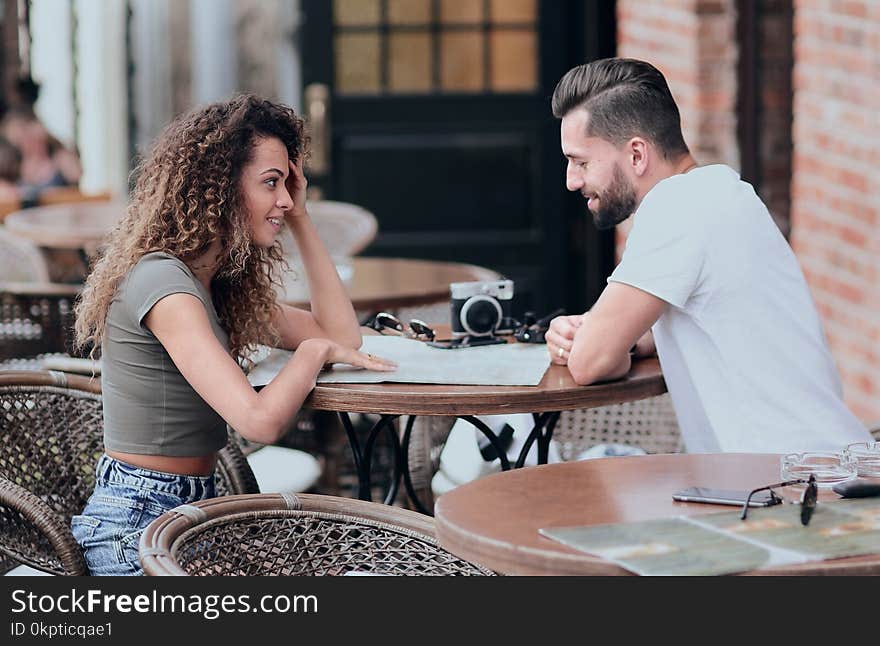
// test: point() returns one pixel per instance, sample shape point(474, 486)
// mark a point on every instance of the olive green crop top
point(149, 407)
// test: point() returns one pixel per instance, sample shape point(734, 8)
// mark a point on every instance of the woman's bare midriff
point(201, 465)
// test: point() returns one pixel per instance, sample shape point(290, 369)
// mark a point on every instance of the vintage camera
point(481, 309)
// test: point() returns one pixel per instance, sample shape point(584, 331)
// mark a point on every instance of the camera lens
point(480, 315)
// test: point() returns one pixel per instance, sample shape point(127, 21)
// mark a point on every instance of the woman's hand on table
point(340, 354)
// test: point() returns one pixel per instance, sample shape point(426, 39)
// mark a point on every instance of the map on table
point(509, 364)
point(721, 543)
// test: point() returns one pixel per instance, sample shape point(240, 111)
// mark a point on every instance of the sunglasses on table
point(808, 499)
point(383, 322)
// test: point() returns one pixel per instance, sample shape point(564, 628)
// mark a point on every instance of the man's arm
point(645, 346)
point(618, 320)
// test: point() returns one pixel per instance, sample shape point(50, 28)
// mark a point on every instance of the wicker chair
point(345, 228)
point(51, 435)
point(649, 424)
point(21, 260)
point(305, 534)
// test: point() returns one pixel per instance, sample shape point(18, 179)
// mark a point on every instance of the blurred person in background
point(45, 162)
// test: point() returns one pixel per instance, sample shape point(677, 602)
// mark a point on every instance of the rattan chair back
point(295, 534)
point(21, 260)
point(51, 429)
point(649, 424)
point(344, 228)
point(51, 436)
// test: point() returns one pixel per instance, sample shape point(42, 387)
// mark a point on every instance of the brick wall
point(693, 43)
point(835, 212)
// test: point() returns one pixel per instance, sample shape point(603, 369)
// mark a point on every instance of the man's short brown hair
point(624, 98)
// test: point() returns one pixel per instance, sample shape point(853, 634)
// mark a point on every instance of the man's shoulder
point(704, 183)
point(688, 200)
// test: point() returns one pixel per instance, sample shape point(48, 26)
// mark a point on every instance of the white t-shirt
point(741, 344)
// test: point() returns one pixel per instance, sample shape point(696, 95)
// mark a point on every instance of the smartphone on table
point(726, 497)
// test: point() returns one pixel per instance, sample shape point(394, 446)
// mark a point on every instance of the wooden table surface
point(557, 391)
point(495, 520)
point(390, 283)
point(75, 225)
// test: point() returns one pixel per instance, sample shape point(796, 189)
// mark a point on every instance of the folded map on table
point(721, 543)
point(510, 364)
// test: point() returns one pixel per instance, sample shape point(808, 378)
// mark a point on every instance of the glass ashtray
point(829, 467)
point(867, 457)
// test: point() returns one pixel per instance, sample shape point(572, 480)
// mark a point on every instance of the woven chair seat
point(295, 535)
point(51, 436)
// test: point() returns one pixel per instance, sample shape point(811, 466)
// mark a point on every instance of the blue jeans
point(127, 499)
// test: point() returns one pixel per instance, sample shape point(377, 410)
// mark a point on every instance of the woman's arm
point(295, 325)
point(332, 315)
point(181, 325)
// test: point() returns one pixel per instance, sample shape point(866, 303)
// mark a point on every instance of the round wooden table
point(390, 283)
point(494, 521)
point(556, 392)
point(76, 225)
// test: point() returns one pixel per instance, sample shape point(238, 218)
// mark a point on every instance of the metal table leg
point(363, 457)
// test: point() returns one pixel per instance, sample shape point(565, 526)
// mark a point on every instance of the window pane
point(461, 59)
point(357, 63)
point(461, 11)
point(409, 64)
point(514, 60)
point(356, 12)
point(512, 10)
point(408, 12)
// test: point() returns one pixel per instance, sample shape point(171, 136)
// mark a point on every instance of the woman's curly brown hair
point(188, 193)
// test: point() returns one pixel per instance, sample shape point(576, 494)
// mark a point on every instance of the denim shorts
point(127, 499)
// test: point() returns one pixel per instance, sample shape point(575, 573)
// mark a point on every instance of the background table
point(77, 226)
point(556, 392)
point(373, 283)
point(495, 520)
point(67, 233)
point(391, 283)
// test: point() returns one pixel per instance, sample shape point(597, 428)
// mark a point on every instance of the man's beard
point(616, 203)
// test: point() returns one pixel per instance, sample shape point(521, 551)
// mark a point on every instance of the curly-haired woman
point(183, 291)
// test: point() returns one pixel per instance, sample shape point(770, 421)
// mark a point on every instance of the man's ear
point(639, 154)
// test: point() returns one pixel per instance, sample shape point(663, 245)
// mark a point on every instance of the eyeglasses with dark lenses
point(420, 330)
point(808, 499)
